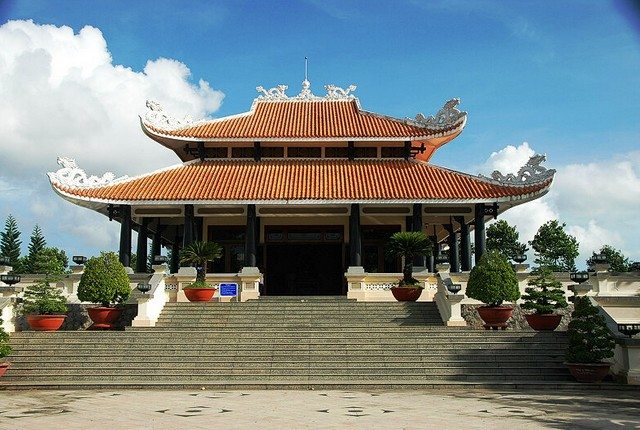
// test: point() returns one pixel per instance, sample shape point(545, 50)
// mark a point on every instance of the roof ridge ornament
point(336, 93)
point(71, 175)
point(445, 118)
point(157, 117)
point(277, 93)
point(532, 172)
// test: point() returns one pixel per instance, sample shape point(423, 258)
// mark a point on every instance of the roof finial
point(306, 61)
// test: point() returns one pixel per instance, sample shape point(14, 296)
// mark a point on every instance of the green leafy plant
point(408, 244)
point(554, 247)
point(5, 348)
point(198, 254)
point(503, 238)
point(590, 340)
point(43, 299)
point(493, 280)
point(544, 294)
point(104, 281)
point(615, 258)
point(10, 241)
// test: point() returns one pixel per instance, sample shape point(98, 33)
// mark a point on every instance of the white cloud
point(509, 159)
point(61, 94)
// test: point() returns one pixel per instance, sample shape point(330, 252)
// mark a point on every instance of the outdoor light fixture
point(5, 261)
point(521, 258)
point(144, 288)
point(442, 258)
point(629, 329)
point(599, 259)
point(454, 288)
point(579, 277)
point(10, 279)
point(79, 259)
point(635, 266)
point(160, 259)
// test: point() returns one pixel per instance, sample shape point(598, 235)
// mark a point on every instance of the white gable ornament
point(531, 173)
point(158, 118)
point(446, 117)
point(275, 93)
point(71, 175)
point(336, 93)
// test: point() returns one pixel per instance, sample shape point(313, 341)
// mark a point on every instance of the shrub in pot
point(44, 306)
point(104, 281)
point(544, 295)
point(590, 342)
point(493, 281)
point(408, 245)
point(198, 254)
point(5, 349)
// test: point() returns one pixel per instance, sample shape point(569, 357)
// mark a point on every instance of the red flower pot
point(3, 368)
point(495, 317)
point(403, 294)
point(543, 322)
point(199, 294)
point(103, 318)
point(45, 322)
point(589, 373)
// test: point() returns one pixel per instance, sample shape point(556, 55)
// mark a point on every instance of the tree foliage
point(197, 254)
point(9, 240)
point(590, 340)
point(104, 281)
point(48, 261)
point(503, 238)
point(493, 280)
point(37, 242)
point(408, 244)
point(5, 349)
point(545, 293)
point(43, 299)
point(616, 260)
point(554, 248)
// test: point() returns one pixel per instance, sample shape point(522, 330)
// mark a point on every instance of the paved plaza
point(321, 409)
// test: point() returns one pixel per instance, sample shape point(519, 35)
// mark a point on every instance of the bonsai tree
point(5, 349)
point(104, 281)
point(590, 340)
point(409, 245)
point(544, 294)
point(43, 299)
point(197, 255)
point(493, 280)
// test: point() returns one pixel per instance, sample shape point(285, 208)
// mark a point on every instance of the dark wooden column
point(257, 151)
point(465, 244)
point(156, 241)
point(419, 260)
point(125, 235)
point(250, 238)
point(355, 243)
point(175, 256)
point(454, 266)
point(479, 233)
point(189, 226)
point(199, 223)
point(434, 251)
point(141, 250)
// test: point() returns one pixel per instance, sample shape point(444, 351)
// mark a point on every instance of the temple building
point(303, 188)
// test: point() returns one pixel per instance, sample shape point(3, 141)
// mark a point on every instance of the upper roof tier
point(276, 117)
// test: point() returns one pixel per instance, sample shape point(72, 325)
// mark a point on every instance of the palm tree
point(198, 254)
point(408, 244)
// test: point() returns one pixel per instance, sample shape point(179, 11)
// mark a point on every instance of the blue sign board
point(229, 290)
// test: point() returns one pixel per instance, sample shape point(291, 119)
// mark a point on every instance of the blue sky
point(562, 76)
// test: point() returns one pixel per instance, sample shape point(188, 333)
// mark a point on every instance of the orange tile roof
point(303, 179)
point(306, 120)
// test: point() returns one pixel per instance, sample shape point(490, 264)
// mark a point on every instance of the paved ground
point(208, 409)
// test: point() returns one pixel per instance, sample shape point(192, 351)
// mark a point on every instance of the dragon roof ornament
point(445, 118)
point(277, 93)
point(532, 172)
point(71, 175)
point(157, 117)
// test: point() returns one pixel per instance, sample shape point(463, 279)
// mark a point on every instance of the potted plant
point(106, 282)
point(5, 350)
point(44, 306)
point(544, 295)
point(590, 341)
point(198, 254)
point(493, 281)
point(408, 245)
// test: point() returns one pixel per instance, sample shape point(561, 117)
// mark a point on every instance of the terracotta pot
point(495, 317)
point(589, 372)
point(45, 322)
point(3, 368)
point(403, 294)
point(199, 294)
point(103, 318)
point(543, 322)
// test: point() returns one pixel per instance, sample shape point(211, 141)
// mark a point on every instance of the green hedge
point(493, 280)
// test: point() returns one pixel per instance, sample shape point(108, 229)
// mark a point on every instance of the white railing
point(376, 287)
point(150, 305)
point(449, 304)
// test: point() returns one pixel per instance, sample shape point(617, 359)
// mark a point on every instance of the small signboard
point(229, 290)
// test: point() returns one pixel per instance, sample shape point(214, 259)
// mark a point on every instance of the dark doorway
point(304, 269)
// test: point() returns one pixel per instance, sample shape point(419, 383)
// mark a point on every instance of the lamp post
point(79, 259)
point(579, 277)
point(10, 279)
point(454, 288)
point(160, 259)
point(5, 261)
point(144, 287)
point(520, 258)
point(630, 329)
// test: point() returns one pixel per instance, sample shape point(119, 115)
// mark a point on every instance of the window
point(272, 152)
point(366, 152)
point(393, 152)
point(215, 152)
point(336, 152)
point(304, 152)
point(374, 241)
point(231, 238)
point(242, 152)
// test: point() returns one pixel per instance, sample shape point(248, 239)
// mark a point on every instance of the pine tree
point(9, 240)
point(555, 248)
point(37, 243)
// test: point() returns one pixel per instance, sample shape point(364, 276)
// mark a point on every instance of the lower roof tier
point(300, 181)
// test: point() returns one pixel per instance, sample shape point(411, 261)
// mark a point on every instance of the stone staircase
point(291, 342)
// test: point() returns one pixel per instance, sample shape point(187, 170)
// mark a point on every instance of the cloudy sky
point(560, 78)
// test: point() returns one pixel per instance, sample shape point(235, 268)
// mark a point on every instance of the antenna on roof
point(306, 65)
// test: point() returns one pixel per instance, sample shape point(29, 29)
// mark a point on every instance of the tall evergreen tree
point(37, 242)
point(555, 248)
point(503, 238)
point(9, 240)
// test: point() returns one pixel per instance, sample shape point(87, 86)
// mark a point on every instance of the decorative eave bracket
point(531, 173)
point(70, 175)
point(158, 118)
point(446, 117)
